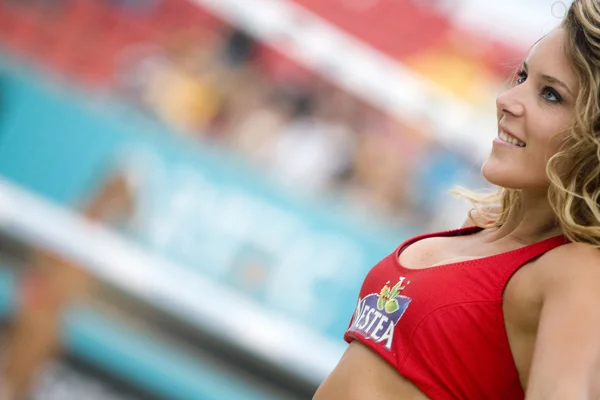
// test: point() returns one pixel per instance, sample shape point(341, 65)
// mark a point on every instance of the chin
point(500, 175)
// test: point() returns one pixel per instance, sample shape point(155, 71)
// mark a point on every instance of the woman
point(508, 308)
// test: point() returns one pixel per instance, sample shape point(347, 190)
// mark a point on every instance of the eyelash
point(522, 76)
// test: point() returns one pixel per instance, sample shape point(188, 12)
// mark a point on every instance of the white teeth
point(510, 139)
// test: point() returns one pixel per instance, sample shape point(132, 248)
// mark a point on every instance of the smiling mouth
point(505, 137)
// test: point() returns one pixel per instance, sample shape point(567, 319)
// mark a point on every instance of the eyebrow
point(550, 79)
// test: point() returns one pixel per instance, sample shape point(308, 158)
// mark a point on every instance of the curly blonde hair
point(573, 172)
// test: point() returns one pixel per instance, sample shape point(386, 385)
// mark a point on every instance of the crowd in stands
point(214, 83)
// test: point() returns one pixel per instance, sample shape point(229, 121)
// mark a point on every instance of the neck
point(533, 221)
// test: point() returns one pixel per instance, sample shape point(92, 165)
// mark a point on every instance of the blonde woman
point(508, 308)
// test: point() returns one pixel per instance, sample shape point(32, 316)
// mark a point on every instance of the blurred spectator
point(52, 285)
point(379, 181)
point(239, 48)
point(254, 133)
point(312, 150)
point(184, 91)
point(136, 67)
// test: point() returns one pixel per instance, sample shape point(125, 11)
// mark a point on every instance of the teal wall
point(197, 206)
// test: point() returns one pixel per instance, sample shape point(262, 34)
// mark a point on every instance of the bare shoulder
point(563, 368)
point(571, 265)
point(362, 375)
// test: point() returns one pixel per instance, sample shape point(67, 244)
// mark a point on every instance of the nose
point(510, 102)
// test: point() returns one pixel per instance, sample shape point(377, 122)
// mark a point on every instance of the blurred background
point(191, 191)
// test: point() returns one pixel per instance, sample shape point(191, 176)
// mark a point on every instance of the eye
point(551, 95)
point(521, 77)
point(548, 93)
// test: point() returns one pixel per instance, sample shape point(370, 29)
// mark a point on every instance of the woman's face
point(530, 114)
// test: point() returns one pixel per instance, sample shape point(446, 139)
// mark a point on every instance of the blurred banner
point(193, 206)
point(299, 260)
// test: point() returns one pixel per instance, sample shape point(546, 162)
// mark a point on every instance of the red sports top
point(443, 328)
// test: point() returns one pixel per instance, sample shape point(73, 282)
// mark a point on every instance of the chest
point(521, 295)
point(436, 251)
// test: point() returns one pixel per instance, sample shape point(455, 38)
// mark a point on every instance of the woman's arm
point(566, 361)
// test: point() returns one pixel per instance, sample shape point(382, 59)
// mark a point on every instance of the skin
point(549, 305)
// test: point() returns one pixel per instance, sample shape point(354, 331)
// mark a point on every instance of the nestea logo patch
point(376, 315)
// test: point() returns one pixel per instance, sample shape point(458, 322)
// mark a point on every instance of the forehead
point(548, 57)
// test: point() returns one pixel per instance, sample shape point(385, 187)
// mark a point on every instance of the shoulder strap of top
point(527, 253)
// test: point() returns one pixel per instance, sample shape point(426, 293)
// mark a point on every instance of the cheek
point(546, 146)
point(545, 132)
point(540, 148)
point(517, 168)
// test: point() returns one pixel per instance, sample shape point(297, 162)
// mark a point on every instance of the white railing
point(173, 288)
